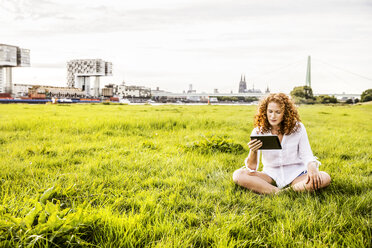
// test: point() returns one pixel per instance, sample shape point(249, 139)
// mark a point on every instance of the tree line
point(304, 95)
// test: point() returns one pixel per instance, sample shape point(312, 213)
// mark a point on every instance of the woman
point(293, 165)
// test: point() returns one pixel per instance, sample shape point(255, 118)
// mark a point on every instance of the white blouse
point(286, 164)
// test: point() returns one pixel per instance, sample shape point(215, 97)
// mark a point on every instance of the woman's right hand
point(254, 145)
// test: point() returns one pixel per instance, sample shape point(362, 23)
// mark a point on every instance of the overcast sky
point(207, 43)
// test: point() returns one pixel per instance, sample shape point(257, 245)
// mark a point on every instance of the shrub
point(48, 223)
point(349, 101)
point(302, 95)
point(326, 99)
point(214, 143)
point(366, 96)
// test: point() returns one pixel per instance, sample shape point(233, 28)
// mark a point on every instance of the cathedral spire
point(242, 84)
point(267, 89)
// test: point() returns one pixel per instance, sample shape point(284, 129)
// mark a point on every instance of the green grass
point(161, 176)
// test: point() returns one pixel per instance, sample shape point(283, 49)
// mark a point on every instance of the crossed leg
point(255, 181)
point(299, 184)
point(261, 183)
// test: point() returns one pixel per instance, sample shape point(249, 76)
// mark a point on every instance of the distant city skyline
point(209, 44)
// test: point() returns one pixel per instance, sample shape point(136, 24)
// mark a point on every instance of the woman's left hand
point(313, 177)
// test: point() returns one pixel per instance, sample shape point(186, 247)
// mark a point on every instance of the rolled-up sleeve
point(305, 152)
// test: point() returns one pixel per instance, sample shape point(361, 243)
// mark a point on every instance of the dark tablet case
point(269, 142)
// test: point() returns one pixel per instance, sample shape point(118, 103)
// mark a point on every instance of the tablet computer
point(269, 142)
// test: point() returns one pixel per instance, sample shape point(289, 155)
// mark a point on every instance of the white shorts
point(284, 175)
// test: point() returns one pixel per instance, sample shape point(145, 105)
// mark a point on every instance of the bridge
point(184, 95)
point(258, 95)
point(348, 96)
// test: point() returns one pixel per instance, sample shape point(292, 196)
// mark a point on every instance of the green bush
point(214, 143)
point(302, 95)
point(352, 101)
point(48, 222)
point(366, 96)
point(326, 99)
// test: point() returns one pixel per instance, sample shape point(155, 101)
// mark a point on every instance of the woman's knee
point(326, 179)
point(242, 176)
point(236, 175)
point(303, 186)
point(239, 174)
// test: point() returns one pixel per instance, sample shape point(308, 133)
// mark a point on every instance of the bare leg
point(299, 184)
point(256, 181)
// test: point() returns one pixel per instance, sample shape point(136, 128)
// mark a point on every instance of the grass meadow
point(161, 176)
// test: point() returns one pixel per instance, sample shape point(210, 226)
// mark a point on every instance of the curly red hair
point(291, 118)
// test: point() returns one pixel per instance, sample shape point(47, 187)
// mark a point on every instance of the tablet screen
point(269, 142)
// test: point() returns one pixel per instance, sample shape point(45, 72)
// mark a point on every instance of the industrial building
point(132, 91)
point(21, 90)
point(108, 91)
point(80, 71)
point(126, 91)
point(11, 56)
point(29, 90)
point(56, 92)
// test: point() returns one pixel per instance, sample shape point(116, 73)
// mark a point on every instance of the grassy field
point(161, 176)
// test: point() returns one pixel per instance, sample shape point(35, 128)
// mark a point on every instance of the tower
point(242, 84)
point(267, 90)
point(308, 72)
point(190, 91)
point(11, 56)
point(79, 72)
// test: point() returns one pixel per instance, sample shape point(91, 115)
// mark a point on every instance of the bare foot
point(281, 191)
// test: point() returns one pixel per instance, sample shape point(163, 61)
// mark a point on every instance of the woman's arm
point(306, 154)
point(251, 160)
point(313, 175)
